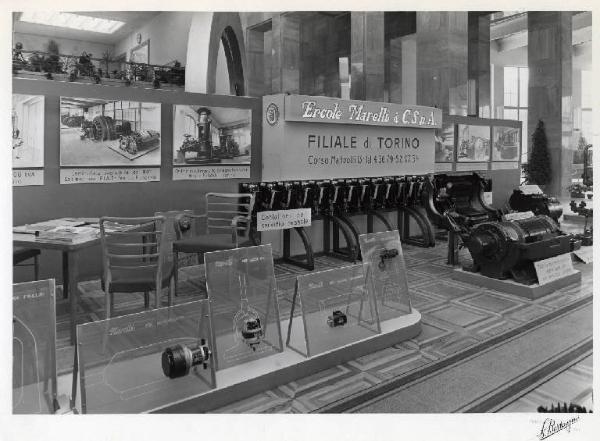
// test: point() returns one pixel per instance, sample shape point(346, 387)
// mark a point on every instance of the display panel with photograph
point(506, 143)
point(473, 143)
point(444, 143)
point(27, 131)
point(98, 133)
point(211, 135)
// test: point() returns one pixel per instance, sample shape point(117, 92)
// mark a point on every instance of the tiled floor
point(455, 316)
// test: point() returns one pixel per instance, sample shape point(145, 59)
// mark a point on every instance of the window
point(586, 104)
point(516, 83)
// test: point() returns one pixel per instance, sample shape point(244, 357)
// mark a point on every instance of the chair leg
point(112, 304)
point(175, 271)
point(36, 267)
point(146, 299)
point(172, 291)
point(107, 301)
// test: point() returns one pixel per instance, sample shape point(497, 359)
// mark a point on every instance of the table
point(70, 267)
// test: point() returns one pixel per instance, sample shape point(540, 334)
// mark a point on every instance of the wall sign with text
point(351, 139)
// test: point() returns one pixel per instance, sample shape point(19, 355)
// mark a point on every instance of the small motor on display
point(179, 359)
point(386, 255)
point(252, 332)
point(337, 318)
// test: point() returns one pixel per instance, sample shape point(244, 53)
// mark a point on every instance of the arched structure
point(208, 31)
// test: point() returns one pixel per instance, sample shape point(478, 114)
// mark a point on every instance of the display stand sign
point(331, 309)
point(26, 177)
point(554, 268)
point(383, 252)
point(211, 172)
point(585, 254)
point(139, 362)
point(34, 348)
point(306, 137)
point(244, 308)
point(519, 215)
point(283, 219)
point(108, 175)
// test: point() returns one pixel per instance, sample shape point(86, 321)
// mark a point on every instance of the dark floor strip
point(346, 404)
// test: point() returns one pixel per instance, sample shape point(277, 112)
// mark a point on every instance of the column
point(367, 56)
point(285, 66)
point(479, 65)
point(442, 60)
point(550, 90)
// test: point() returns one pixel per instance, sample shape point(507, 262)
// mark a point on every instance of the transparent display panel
point(138, 362)
point(331, 309)
point(506, 143)
point(34, 348)
point(383, 253)
point(244, 308)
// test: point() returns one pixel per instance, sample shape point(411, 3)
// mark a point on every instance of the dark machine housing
point(509, 248)
point(536, 203)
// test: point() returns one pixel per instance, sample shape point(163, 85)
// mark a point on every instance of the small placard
point(585, 254)
point(487, 197)
point(211, 172)
point(443, 166)
point(505, 165)
point(283, 219)
point(108, 175)
point(530, 189)
point(471, 166)
point(554, 268)
point(25, 177)
point(517, 215)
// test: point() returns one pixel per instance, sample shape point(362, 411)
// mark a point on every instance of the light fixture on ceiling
point(72, 21)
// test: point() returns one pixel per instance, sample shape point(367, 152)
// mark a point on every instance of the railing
point(75, 68)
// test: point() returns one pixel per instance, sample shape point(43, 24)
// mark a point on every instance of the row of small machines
point(500, 246)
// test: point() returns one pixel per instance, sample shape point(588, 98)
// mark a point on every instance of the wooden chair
point(133, 255)
point(225, 224)
point(21, 255)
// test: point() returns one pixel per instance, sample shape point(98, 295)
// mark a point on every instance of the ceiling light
point(72, 21)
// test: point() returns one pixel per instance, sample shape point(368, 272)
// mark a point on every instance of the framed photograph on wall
point(507, 143)
point(211, 135)
point(98, 133)
point(473, 143)
point(27, 118)
point(444, 143)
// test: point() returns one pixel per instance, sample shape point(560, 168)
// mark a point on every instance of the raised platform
point(509, 286)
point(248, 379)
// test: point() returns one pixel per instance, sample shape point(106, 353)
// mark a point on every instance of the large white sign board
point(324, 138)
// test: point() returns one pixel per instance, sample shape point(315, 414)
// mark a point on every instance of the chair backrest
point(223, 209)
point(134, 245)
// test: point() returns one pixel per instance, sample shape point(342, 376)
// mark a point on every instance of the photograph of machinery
point(97, 132)
point(473, 143)
point(211, 135)
point(444, 143)
point(506, 144)
point(27, 118)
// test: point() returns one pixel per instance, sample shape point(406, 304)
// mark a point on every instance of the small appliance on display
point(386, 254)
point(252, 332)
point(587, 237)
point(179, 359)
point(337, 318)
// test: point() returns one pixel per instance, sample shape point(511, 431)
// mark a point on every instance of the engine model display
point(179, 359)
point(337, 318)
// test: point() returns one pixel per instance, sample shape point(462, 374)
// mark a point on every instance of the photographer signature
point(550, 427)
